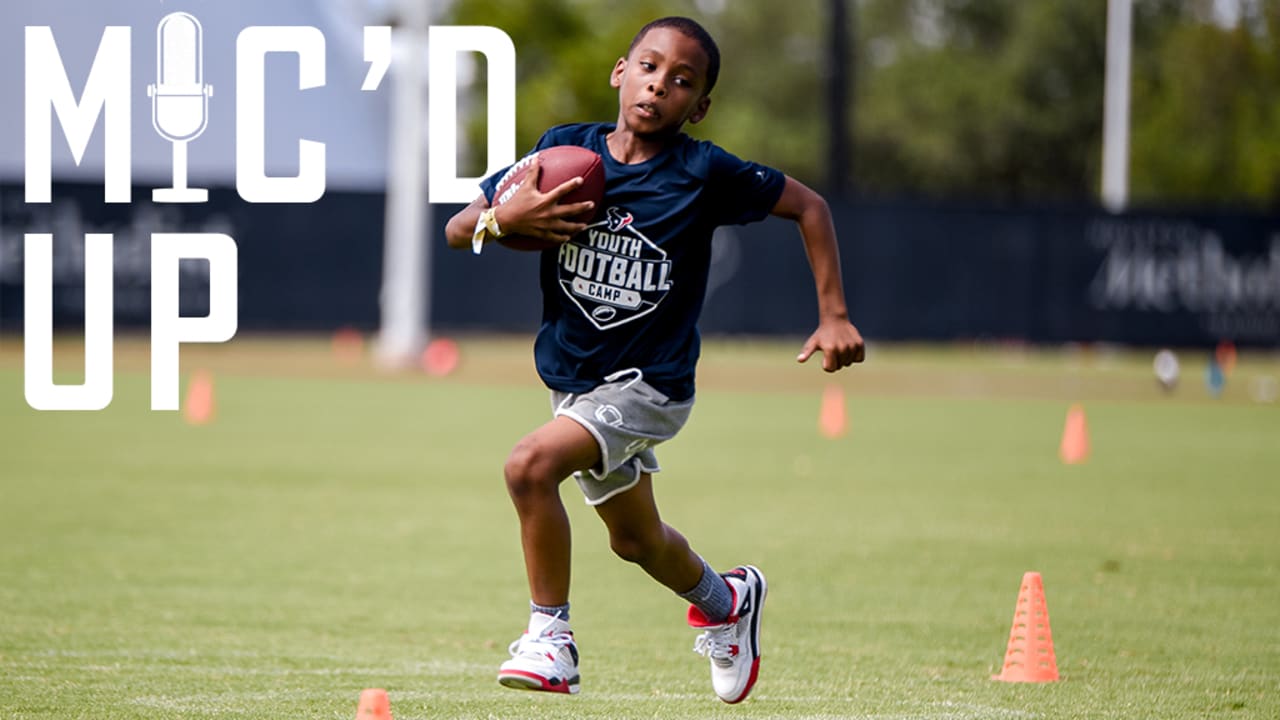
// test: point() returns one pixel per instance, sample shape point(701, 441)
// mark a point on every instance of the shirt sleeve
point(743, 191)
point(489, 185)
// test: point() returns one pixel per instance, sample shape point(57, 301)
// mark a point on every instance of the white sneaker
point(544, 658)
point(734, 645)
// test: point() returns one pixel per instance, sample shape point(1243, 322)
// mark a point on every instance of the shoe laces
point(542, 646)
point(719, 644)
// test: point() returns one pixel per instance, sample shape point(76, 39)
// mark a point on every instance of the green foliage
point(1206, 123)
point(770, 102)
point(565, 50)
point(989, 99)
point(1003, 101)
point(761, 107)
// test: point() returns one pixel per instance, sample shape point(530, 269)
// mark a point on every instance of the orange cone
point(440, 357)
point(347, 346)
point(199, 407)
point(1075, 437)
point(1029, 657)
point(1225, 354)
point(833, 420)
point(374, 705)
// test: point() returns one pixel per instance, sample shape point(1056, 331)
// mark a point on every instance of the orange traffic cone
point(199, 407)
point(1029, 657)
point(1075, 437)
point(440, 357)
point(347, 346)
point(374, 705)
point(1225, 354)
point(833, 420)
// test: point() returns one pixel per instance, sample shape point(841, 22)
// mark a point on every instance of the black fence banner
point(912, 270)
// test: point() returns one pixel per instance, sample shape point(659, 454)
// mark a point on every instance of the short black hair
point(691, 29)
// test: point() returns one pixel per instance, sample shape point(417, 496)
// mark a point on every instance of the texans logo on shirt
point(616, 220)
point(612, 272)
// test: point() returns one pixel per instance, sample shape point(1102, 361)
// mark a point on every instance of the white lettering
point(252, 182)
point(568, 256)
point(613, 243)
point(500, 58)
point(1189, 273)
point(168, 329)
point(602, 269)
point(635, 277)
point(618, 272)
point(607, 294)
point(586, 259)
point(105, 92)
point(41, 392)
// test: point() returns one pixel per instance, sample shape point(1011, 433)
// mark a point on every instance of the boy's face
point(661, 84)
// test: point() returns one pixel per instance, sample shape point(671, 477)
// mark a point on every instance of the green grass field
point(336, 528)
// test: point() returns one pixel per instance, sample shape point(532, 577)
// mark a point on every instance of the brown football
point(559, 164)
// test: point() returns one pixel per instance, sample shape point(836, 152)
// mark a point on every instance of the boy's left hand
point(840, 343)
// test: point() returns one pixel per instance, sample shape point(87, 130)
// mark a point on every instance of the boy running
point(619, 344)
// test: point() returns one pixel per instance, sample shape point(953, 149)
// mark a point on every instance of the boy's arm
point(838, 340)
point(528, 212)
point(462, 225)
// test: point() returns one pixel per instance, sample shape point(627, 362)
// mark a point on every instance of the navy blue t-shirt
point(627, 292)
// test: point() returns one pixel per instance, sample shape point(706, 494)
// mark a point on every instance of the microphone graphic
point(179, 99)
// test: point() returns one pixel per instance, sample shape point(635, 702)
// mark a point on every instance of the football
point(559, 164)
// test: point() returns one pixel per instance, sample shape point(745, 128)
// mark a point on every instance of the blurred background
point(961, 144)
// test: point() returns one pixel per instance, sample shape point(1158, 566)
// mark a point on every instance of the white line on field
point(949, 710)
point(433, 667)
point(244, 704)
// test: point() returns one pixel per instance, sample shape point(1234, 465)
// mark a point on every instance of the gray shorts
point(627, 417)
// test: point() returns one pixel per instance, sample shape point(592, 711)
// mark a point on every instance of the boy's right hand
point(540, 215)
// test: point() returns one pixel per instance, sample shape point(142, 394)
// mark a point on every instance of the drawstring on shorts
point(614, 377)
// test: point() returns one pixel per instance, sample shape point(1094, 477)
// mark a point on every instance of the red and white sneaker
point(734, 645)
point(544, 658)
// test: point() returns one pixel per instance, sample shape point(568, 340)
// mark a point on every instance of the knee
point(530, 471)
point(637, 547)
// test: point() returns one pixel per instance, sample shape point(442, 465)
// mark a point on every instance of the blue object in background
point(1214, 379)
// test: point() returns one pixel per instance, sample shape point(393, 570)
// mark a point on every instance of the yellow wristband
point(477, 236)
point(487, 224)
point(490, 218)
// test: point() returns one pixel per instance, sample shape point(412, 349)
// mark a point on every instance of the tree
point(1206, 121)
point(989, 98)
point(766, 105)
point(978, 99)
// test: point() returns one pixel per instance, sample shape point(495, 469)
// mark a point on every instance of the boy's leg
point(534, 470)
point(726, 607)
point(637, 534)
point(546, 656)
